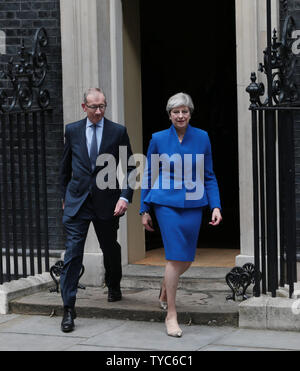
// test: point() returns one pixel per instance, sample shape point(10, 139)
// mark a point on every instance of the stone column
point(251, 41)
point(92, 57)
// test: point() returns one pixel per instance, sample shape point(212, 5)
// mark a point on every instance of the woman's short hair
point(180, 99)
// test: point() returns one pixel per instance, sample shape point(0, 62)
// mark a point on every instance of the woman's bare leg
point(163, 293)
point(174, 269)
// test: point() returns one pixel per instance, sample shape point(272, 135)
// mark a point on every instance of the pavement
point(42, 333)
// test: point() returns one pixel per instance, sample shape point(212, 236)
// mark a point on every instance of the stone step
point(201, 298)
point(137, 304)
point(195, 279)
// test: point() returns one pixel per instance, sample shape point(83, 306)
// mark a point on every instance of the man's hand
point(121, 208)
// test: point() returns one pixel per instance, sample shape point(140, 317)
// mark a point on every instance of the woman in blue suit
point(178, 183)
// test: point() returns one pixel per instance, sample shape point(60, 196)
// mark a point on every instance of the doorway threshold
point(205, 257)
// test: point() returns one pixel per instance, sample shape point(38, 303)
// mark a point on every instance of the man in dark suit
point(84, 201)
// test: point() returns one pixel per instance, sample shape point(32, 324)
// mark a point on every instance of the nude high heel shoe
point(173, 329)
point(162, 304)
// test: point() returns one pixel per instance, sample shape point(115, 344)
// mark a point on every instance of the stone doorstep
point(195, 279)
point(28, 296)
point(137, 304)
point(192, 284)
point(265, 312)
point(22, 287)
point(206, 319)
point(207, 306)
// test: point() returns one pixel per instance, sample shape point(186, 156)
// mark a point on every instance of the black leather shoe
point(67, 323)
point(114, 295)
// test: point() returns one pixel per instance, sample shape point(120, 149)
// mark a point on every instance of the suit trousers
point(76, 229)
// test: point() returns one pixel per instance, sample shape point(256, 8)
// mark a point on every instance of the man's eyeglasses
point(94, 108)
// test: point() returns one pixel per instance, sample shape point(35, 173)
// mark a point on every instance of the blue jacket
point(183, 177)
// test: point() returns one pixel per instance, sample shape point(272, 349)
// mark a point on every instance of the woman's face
point(180, 117)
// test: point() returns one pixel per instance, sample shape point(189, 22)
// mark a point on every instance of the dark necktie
point(94, 148)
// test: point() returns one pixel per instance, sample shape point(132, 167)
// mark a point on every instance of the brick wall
point(20, 20)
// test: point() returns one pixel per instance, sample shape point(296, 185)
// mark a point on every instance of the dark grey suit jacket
point(77, 178)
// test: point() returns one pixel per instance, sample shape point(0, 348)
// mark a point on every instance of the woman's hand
point(147, 222)
point(216, 217)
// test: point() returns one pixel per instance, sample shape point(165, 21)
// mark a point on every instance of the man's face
point(95, 107)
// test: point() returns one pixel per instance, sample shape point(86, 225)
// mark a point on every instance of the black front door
point(191, 47)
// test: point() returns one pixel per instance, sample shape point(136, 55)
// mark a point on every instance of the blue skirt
point(179, 228)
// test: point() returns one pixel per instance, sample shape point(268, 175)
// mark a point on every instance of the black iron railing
point(24, 115)
point(274, 202)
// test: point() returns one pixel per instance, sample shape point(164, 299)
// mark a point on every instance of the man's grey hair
point(180, 99)
point(92, 91)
